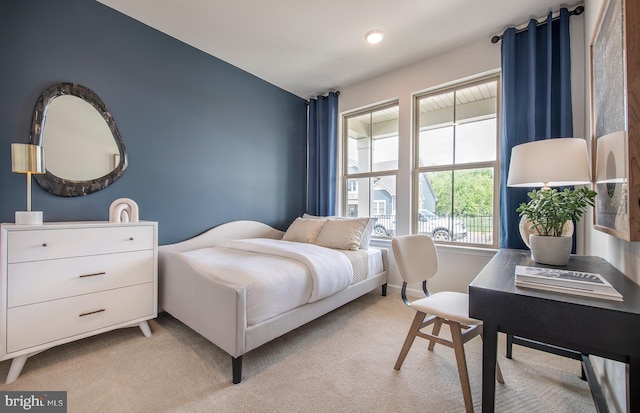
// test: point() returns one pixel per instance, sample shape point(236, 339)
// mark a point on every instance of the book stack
point(563, 281)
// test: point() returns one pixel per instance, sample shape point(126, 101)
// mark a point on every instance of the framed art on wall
point(615, 118)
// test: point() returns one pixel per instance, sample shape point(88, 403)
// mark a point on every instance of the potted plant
point(547, 213)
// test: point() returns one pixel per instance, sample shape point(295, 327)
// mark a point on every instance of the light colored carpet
point(342, 362)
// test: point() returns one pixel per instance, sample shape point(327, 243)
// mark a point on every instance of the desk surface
point(605, 328)
point(498, 276)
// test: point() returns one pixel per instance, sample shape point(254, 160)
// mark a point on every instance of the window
point(371, 165)
point(379, 207)
point(456, 163)
point(452, 176)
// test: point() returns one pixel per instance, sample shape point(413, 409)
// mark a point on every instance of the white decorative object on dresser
point(64, 281)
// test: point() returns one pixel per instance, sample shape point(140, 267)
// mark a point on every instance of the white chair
point(417, 260)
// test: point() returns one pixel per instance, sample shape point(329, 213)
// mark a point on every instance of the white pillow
point(368, 232)
point(303, 230)
point(343, 234)
point(366, 235)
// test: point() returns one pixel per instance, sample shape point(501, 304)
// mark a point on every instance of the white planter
point(526, 230)
point(550, 250)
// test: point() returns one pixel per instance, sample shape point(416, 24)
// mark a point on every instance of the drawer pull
point(92, 275)
point(44, 244)
point(92, 312)
point(130, 238)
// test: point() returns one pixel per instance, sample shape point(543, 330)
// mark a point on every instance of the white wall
point(460, 265)
point(625, 256)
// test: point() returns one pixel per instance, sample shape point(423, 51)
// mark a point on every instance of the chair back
point(416, 257)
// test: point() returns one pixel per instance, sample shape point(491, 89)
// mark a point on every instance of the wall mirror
point(83, 149)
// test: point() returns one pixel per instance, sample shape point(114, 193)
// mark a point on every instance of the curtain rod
point(337, 92)
point(575, 12)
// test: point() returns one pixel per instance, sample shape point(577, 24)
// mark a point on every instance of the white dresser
point(65, 281)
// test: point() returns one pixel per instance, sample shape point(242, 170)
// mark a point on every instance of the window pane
point(436, 146)
point(476, 101)
point(436, 110)
point(476, 141)
point(372, 141)
point(358, 142)
point(473, 191)
point(435, 119)
point(462, 215)
point(435, 192)
point(476, 122)
point(358, 197)
point(434, 216)
point(385, 153)
point(377, 192)
point(473, 203)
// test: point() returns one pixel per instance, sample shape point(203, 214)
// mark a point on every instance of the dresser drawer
point(45, 244)
point(32, 325)
point(37, 281)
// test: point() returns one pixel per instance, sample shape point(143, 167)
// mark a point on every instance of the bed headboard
point(225, 232)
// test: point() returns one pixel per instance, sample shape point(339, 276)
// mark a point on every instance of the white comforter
point(278, 275)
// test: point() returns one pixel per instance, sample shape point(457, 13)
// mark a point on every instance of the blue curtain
point(536, 103)
point(322, 141)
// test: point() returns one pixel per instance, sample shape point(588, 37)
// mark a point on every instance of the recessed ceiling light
point(374, 36)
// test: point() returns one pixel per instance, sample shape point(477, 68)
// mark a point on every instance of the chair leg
point(436, 330)
point(411, 335)
point(499, 377)
point(458, 347)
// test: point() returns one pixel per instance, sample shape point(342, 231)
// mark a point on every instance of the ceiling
point(312, 47)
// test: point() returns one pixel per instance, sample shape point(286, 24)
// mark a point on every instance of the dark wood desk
point(604, 328)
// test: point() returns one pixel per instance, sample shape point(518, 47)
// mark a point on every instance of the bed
point(244, 283)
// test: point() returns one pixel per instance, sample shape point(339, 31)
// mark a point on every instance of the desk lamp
point(547, 163)
point(28, 159)
point(550, 162)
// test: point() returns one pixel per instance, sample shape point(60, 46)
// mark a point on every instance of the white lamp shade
point(550, 162)
point(26, 158)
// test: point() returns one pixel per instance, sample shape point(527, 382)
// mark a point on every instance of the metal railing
point(468, 229)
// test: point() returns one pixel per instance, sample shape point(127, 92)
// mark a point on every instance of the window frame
point(346, 176)
point(495, 164)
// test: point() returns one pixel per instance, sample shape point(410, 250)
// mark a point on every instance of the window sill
point(445, 248)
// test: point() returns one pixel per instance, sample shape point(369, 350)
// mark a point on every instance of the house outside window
point(456, 174)
point(379, 207)
point(370, 164)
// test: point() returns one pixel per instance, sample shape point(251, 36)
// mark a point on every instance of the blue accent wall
point(207, 142)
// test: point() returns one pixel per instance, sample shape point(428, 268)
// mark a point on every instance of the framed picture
point(615, 118)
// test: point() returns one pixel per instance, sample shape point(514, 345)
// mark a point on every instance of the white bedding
point(365, 263)
point(280, 275)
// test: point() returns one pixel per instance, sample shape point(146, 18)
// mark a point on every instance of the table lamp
point(547, 163)
point(28, 159)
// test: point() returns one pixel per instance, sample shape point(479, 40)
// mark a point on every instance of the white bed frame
point(217, 310)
